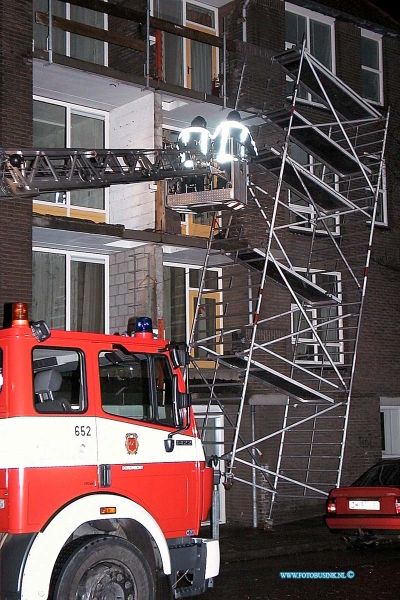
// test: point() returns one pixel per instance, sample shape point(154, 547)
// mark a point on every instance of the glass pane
point(369, 53)
point(295, 28)
point(40, 32)
point(320, 43)
point(164, 391)
point(380, 475)
point(85, 48)
point(200, 15)
point(171, 10)
point(206, 324)
point(201, 67)
point(210, 282)
point(370, 85)
point(125, 387)
point(87, 132)
point(91, 198)
point(383, 440)
point(48, 289)
point(48, 125)
point(204, 218)
point(299, 155)
point(175, 303)
point(87, 296)
point(60, 388)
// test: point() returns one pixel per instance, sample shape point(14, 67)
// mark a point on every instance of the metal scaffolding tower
point(284, 331)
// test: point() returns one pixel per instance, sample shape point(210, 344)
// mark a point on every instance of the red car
point(367, 511)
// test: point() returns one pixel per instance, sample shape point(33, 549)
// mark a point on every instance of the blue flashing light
point(144, 325)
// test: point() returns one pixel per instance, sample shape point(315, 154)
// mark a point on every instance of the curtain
point(171, 10)
point(87, 296)
point(48, 293)
point(201, 70)
point(175, 303)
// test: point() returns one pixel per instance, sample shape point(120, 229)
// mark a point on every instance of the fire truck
point(103, 479)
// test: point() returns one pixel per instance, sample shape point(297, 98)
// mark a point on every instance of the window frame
point(311, 15)
point(71, 256)
point(82, 405)
point(93, 113)
point(186, 43)
point(187, 47)
point(390, 415)
point(191, 293)
point(151, 366)
point(296, 340)
point(371, 35)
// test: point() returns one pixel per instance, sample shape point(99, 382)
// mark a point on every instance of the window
point(318, 31)
point(69, 290)
point(127, 390)
point(373, 162)
point(171, 10)
point(325, 321)
point(62, 125)
point(387, 475)
point(71, 44)
point(181, 292)
point(371, 66)
point(390, 426)
point(201, 58)
point(58, 380)
point(188, 62)
point(303, 215)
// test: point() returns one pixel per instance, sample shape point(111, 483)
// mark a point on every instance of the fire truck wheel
point(105, 568)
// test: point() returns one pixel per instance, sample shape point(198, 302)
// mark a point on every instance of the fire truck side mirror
point(180, 357)
point(183, 400)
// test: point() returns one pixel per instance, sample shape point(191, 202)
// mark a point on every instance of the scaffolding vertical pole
point(253, 470)
point(50, 33)
point(224, 59)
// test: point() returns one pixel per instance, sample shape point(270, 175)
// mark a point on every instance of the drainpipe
point(244, 19)
point(50, 34)
point(147, 68)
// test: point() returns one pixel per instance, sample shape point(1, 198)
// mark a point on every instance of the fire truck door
point(138, 411)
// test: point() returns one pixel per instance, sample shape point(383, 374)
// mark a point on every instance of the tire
point(105, 568)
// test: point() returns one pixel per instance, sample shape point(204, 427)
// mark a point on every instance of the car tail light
point(397, 506)
point(331, 506)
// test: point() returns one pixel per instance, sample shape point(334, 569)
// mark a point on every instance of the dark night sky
point(391, 7)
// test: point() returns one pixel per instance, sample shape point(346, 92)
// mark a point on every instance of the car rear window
point(380, 475)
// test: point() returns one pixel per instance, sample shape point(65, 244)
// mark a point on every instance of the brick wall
point(135, 286)
point(378, 367)
point(15, 130)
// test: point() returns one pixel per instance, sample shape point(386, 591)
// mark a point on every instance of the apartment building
point(131, 75)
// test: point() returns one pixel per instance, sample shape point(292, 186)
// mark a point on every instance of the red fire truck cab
point(103, 480)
